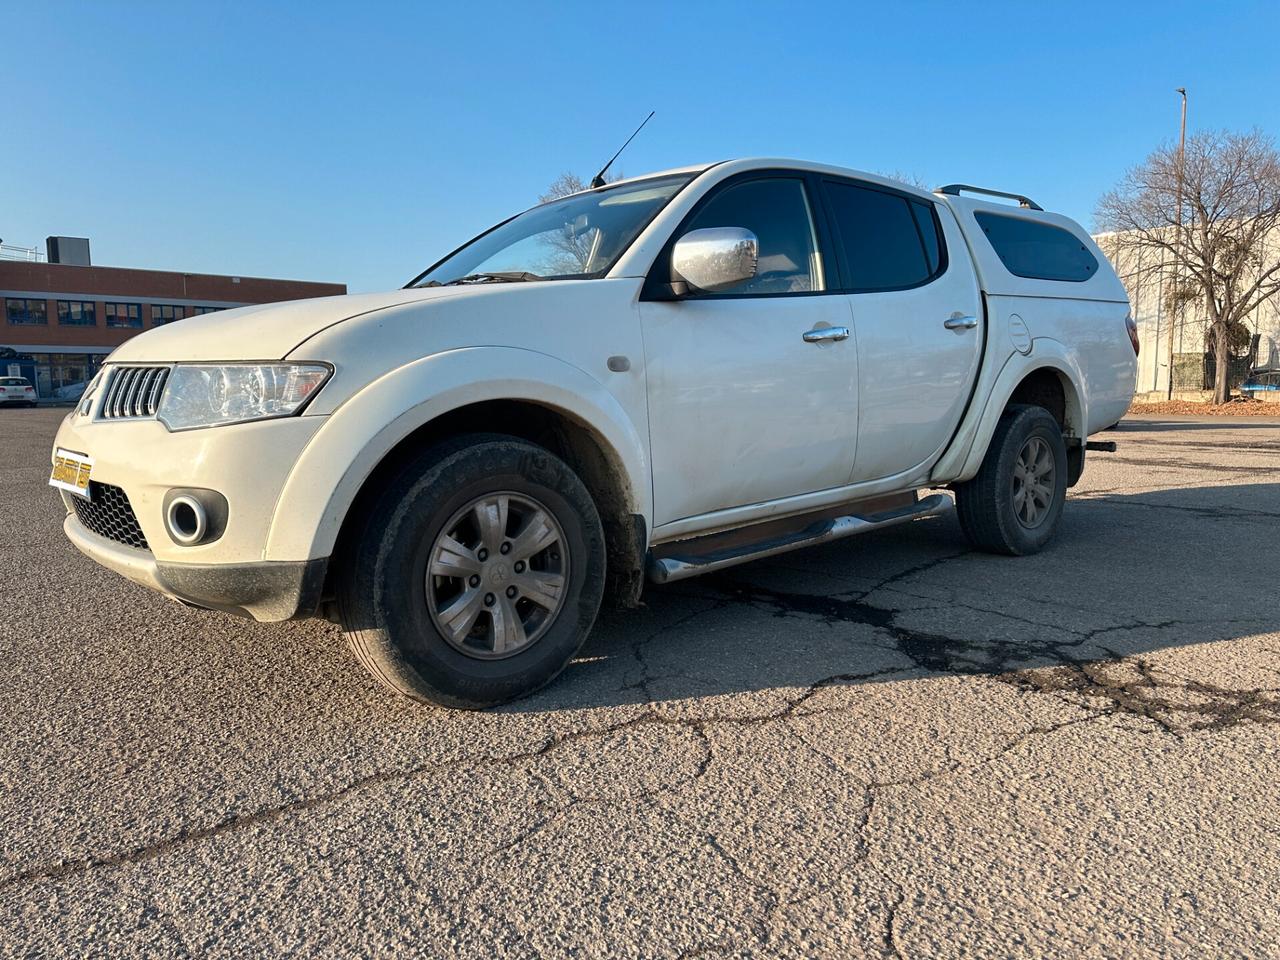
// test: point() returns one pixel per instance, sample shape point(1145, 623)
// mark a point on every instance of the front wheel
point(477, 575)
point(1014, 504)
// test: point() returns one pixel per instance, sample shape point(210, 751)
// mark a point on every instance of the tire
point(406, 628)
point(992, 517)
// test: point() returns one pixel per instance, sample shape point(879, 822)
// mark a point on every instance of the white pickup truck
point(653, 379)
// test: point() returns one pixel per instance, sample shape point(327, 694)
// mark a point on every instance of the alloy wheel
point(1033, 483)
point(497, 575)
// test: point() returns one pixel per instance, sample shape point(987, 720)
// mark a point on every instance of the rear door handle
point(823, 334)
point(960, 323)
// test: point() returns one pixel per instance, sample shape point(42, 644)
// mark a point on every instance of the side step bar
point(667, 569)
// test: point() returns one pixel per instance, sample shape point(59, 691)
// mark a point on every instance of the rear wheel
point(1014, 504)
point(477, 575)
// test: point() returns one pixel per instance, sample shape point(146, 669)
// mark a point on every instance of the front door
point(742, 408)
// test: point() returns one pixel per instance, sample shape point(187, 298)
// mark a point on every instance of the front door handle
point(960, 323)
point(823, 334)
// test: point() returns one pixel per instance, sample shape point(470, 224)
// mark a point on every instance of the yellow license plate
point(71, 472)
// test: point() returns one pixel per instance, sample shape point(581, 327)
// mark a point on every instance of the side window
point(928, 224)
point(777, 212)
point(889, 241)
point(1038, 251)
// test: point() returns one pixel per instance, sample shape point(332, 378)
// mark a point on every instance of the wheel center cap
point(498, 574)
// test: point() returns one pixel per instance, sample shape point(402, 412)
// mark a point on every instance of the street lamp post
point(1182, 146)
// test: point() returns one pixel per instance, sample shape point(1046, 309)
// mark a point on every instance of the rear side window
point(889, 241)
point(928, 233)
point(1038, 251)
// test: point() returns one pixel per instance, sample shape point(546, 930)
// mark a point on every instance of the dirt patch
point(1193, 408)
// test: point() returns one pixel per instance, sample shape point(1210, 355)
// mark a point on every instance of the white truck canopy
point(1025, 251)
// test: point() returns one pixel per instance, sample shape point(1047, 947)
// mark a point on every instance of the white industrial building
point(1148, 286)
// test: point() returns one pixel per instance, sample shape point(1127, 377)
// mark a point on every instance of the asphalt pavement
point(887, 746)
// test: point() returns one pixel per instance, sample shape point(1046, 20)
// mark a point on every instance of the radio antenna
point(598, 179)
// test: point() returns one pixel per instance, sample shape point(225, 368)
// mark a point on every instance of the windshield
point(13, 382)
point(576, 238)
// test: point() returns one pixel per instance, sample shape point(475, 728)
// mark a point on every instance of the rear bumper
point(267, 591)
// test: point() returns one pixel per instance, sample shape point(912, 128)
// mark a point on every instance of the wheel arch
point(542, 400)
point(1049, 378)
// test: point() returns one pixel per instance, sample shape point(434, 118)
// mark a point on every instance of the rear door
point(918, 319)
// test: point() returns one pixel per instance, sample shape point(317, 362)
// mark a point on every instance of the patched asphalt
point(887, 746)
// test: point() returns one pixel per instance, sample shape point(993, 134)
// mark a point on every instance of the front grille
point(133, 392)
point(109, 515)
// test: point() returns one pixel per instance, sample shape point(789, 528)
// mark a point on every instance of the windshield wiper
point(512, 276)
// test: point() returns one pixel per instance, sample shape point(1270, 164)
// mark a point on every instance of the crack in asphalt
point(919, 568)
point(1147, 695)
point(891, 922)
point(560, 813)
point(1015, 741)
point(940, 653)
point(233, 823)
point(770, 897)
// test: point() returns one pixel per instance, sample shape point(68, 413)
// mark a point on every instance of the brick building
point(59, 321)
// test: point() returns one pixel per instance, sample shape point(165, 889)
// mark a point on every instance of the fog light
point(186, 519)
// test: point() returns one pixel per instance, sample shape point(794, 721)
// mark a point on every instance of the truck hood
point(266, 331)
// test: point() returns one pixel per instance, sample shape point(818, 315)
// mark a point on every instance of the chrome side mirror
point(714, 259)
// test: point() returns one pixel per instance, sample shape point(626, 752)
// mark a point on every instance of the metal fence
point(1197, 371)
point(9, 251)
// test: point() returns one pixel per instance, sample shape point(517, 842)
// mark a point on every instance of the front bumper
point(247, 464)
point(267, 591)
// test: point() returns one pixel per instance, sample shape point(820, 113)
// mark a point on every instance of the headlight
point(86, 399)
point(206, 396)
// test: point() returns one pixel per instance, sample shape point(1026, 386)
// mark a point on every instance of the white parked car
point(653, 379)
point(17, 391)
point(69, 391)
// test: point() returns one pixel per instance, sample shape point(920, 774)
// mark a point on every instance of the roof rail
point(953, 189)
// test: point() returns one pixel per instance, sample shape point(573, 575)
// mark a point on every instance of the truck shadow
point(1129, 575)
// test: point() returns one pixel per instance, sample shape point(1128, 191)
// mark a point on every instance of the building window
point(124, 314)
point(199, 311)
point(76, 313)
point(165, 313)
point(22, 312)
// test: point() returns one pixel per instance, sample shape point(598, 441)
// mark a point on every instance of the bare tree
point(568, 183)
point(562, 186)
point(905, 176)
point(571, 248)
point(1215, 238)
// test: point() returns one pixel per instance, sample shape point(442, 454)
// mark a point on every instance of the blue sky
point(357, 142)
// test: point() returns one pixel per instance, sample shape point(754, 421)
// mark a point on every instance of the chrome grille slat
point(109, 401)
point(133, 393)
point(153, 401)
point(126, 384)
point(145, 392)
point(124, 390)
point(140, 392)
point(122, 377)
